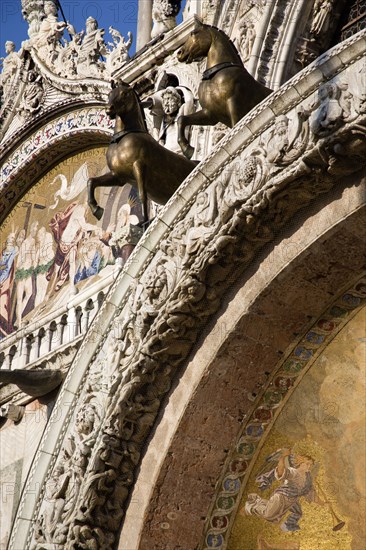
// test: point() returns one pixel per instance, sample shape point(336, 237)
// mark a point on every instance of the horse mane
point(140, 107)
point(227, 38)
point(116, 83)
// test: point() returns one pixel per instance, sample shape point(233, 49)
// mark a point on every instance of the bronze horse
point(227, 91)
point(135, 157)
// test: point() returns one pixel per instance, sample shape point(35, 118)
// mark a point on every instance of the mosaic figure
point(283, 506)
point(7, 269)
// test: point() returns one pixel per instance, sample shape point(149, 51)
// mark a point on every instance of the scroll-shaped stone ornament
point(118, 54)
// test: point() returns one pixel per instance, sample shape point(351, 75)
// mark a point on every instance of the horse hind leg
point(107, 180)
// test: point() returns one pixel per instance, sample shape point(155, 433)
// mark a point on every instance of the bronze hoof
point(188, 152)
point(97, 211)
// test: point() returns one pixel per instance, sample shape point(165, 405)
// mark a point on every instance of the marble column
point(144, 23)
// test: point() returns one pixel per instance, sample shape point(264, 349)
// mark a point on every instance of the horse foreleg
point(107, 180)
point(201, 118)
point(139, 174)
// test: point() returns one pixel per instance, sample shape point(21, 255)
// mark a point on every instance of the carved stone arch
point(270, 313)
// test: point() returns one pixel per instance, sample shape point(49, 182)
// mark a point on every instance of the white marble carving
point(33, 95)
point(117, 55)
point(164, 14)
point(10, 65)
point(167, 106)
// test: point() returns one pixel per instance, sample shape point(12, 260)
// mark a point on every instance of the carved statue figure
point(278, 141)
point(10, 65)
point(119, 50)
point(167, 106)
point(164, 13)
point(91, 50)
point(329, 113)
point(246, 39)
point(227, 91)
point(47, 40)
point(135, 157)
point(322, 13)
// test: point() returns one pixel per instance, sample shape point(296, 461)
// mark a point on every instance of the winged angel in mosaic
point(295, 474)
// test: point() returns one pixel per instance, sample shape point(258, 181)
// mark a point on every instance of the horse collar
point(119, 135)
point(210, 73)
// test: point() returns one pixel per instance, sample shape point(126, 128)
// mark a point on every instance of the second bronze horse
point(135, 157)
point(227, 91)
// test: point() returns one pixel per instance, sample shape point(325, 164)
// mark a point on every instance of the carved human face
point(50, 9)
point(171, 103)
point(91, 25)
point(9, 47)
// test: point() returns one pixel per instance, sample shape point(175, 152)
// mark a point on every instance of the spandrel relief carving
point(33, 95)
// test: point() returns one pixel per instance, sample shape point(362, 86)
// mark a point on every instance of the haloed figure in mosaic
point(283, 506)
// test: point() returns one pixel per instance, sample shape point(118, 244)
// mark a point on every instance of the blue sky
point(121, 14)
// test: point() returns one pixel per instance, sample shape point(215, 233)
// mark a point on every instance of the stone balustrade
point(36, 344)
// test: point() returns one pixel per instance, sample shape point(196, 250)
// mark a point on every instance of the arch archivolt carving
point(225, 212)
point(245, 355)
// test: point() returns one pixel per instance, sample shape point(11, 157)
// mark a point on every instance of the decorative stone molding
point(229, 207)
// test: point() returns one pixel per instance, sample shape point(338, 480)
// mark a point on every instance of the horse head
point(121, 100)
point(197, 45)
